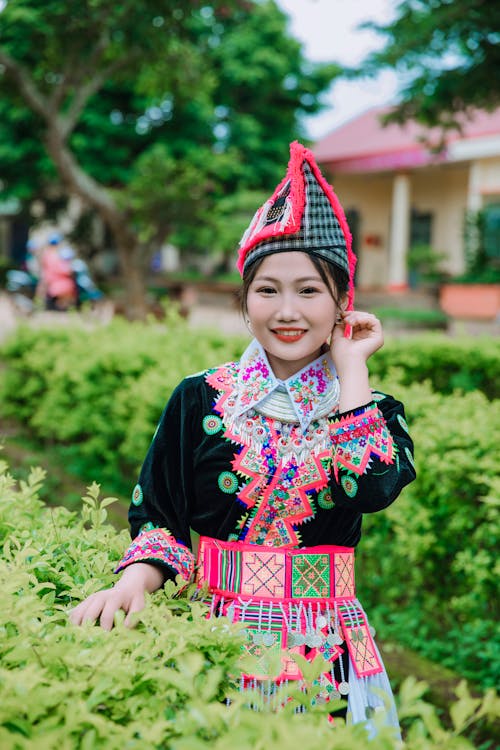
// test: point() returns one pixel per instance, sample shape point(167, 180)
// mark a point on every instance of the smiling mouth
point(289, 334)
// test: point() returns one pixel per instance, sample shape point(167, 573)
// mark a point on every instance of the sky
point(328, 31)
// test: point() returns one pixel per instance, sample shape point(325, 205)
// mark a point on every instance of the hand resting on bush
point(127, 594)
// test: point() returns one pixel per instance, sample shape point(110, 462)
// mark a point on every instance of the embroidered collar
point(313, 391)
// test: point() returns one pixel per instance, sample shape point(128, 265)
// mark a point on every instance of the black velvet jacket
point(202, 472)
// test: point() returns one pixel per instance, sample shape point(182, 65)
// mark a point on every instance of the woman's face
point(291, 311)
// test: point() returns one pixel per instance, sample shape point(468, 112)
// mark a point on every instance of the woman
point(274, 459)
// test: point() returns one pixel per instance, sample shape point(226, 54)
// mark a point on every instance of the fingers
point(360, 318)
point(136, 605)
point(362, 325)
point(88, 610)
point(105, 604)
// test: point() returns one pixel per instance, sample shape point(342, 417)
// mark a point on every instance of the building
point(399, 191)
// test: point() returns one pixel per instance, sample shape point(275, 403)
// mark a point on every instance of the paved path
point(222, 318)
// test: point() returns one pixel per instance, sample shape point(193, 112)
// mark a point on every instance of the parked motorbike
point(86, 290)
point(21, 287)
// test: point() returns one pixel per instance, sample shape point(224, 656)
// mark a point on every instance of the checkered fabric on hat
point(303, 214)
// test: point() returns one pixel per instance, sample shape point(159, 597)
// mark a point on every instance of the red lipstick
point(288, 335)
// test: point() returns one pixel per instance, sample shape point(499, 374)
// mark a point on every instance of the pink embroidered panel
point(157, 545)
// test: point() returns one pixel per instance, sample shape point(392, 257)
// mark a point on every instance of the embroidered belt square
point(311, 576)
point(263, 574)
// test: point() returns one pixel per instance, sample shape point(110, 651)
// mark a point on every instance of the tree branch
point(20, 75)
point(83, 93)
point(85, 186)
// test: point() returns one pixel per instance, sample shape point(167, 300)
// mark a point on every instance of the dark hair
point(335, 279)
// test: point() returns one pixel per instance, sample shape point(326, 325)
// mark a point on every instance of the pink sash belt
point(268, 573)
point(290, 601)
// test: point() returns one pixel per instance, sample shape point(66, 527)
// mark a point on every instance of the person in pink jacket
point(57, 278)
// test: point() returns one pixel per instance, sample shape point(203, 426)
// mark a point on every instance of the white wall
point(441, 190)
point(371, 196)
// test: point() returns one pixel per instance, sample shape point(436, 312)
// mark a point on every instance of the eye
point(266, 290)
point(308, 291)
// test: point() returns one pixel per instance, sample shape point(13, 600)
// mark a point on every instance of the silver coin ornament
point(257, 637)
point(343, 687)
point(268, 639)
point(321, 622)
point(335, 639)
point(316, 640)
point(372, 631)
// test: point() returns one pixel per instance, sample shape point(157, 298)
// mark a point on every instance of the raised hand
point(350, 354)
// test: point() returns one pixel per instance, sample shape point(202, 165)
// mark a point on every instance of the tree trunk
point(134, 281)
point(60, 123)
point(130, 255)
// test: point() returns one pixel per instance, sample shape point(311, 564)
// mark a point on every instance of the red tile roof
point(362, 144)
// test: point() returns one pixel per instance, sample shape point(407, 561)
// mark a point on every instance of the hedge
point(427, 565)
point(163, 684)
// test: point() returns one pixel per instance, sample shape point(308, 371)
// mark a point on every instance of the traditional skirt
point(298, 601)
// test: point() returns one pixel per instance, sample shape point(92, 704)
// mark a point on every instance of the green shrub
point(429, 564)
point(160, 685)
point(100, 392)
point(448, 363)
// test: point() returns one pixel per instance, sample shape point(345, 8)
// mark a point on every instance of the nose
point(288, 309)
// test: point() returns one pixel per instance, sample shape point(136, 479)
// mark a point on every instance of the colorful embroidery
point(306, 388)
point(281, 466)
point(357, 437)
point(344, 574)
point(263, 574)
point(349, 485)
point(310, 576)
point(212, 424)
point(277, 481)
point(409, 456)
point(311, 390)
point(359, 640)
point(228, 482)
point(257, 380)
point(149, 526)
point(402, 421)
point(158, 545)
point(325, 499)
point(289, 601)
point(250, 570)
point(264, 623)
point(137, 496)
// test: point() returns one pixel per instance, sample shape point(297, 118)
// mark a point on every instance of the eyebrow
point(302, 280)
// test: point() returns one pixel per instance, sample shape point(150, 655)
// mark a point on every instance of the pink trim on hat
point(297, 197)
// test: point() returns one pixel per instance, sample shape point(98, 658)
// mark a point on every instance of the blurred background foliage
point(164, 118)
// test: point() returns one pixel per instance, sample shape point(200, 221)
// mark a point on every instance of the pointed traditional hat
point(302, 214)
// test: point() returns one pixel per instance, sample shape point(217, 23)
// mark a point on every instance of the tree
point(148, 109)
point(448, 55)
